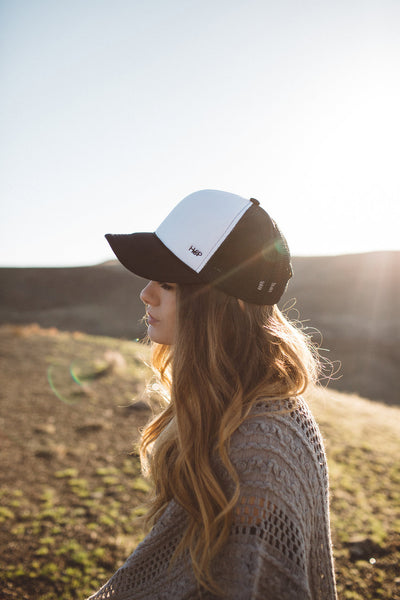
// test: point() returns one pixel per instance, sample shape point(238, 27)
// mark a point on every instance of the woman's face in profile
point(160, 301)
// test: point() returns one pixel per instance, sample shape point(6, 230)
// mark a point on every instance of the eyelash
point(166, 286)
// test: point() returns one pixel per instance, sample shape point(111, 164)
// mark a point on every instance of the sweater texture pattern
point(279, 547)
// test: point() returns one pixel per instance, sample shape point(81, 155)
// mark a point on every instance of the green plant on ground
point(70, 517)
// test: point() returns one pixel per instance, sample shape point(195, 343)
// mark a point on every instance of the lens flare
point(56, 391)
point(63, 382)
point(73, 373)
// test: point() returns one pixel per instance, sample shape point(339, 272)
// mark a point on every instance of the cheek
point(163, 331)
point(170, 321)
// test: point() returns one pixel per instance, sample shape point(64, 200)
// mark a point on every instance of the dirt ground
point(72, 495)
point(68, 423)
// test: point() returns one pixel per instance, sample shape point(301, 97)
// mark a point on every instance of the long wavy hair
point(226, 355)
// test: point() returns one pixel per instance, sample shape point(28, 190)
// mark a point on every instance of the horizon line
point(114, 260)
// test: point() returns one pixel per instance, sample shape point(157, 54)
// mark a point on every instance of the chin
point(158, 338)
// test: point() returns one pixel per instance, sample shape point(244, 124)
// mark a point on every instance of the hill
point(352, 300)
point(71, 405)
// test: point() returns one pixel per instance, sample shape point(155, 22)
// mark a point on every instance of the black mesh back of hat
point(253, 263)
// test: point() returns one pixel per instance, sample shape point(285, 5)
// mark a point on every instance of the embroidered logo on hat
point(195, 251)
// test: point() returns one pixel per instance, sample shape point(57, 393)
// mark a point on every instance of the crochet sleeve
point(279, 546)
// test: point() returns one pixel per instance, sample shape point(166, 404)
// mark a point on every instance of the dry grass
point(362, 438)
point(71, 496)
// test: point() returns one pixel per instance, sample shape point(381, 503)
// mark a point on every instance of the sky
point(113, 111)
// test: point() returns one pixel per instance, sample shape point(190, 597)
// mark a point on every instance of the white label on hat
point(197, 226)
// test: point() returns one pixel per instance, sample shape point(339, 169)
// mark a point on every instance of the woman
point(240, 508)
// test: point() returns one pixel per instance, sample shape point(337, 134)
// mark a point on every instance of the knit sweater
point(279, 547)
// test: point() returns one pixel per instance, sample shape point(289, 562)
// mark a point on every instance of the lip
point(151, 320)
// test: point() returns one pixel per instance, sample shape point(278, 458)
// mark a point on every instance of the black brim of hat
point(145, 255)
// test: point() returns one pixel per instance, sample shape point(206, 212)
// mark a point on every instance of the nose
point(148, 295)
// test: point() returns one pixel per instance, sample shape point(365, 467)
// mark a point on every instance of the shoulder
point(279, 446)
point(286, 425)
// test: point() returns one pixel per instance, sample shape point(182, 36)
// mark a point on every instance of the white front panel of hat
point(199, 224)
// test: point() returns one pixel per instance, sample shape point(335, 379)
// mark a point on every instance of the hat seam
point(228, 229)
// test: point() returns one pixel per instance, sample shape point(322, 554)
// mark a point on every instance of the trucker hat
point(212, 237)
